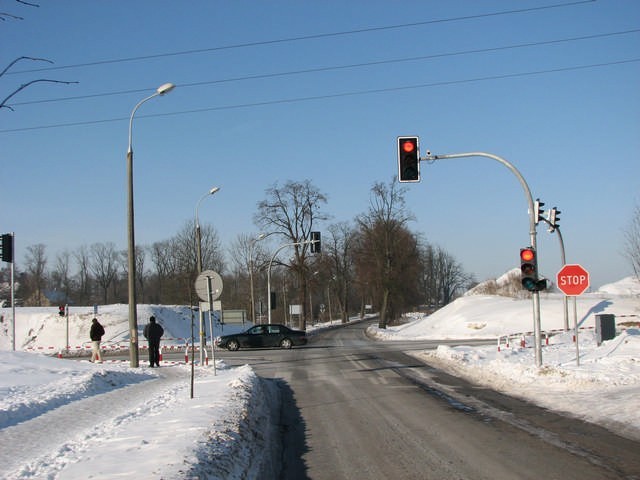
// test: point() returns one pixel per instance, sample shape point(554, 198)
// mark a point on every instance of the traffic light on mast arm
point(538, 211)
point(408, 159)
point(554, 218)
point(529, 271)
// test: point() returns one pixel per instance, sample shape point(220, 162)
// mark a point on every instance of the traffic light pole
point(565, 298)
point(532, 232)
point(556, 228)
point(304, 242)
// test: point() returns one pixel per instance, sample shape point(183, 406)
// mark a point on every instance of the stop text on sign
point(573, 279)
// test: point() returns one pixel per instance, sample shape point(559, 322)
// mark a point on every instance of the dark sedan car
point(263, 336)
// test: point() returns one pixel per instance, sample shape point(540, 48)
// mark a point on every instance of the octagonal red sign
point(572, 280)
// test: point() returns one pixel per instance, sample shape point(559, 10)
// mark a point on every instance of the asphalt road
point(360, 409)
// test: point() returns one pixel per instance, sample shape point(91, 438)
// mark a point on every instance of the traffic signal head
point(61, 310)
point(316, 245)
point(7, 247)
point(554, 218)
point(537, 210)
point(528, 268)
point(408, 159)
point(529, 271)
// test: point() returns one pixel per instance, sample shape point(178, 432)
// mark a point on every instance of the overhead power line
point(306, 37)
point(336, 95)
point(340, 67)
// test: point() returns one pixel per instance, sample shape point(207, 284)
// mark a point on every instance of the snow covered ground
point(69, 419)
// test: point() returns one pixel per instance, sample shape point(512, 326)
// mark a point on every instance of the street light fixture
point(133, 319)
point(199, 260)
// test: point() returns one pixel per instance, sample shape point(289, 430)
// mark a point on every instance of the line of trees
point(373, 261)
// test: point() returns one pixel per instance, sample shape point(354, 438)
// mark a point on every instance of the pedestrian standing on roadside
point(95, 333)
point(153, 333)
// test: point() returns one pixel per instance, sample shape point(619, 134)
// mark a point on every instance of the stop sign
point(573, 280)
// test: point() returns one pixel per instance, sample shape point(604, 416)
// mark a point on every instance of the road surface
point(359, 409)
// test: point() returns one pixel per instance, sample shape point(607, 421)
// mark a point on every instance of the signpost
point(209, 288)
point(573, 280)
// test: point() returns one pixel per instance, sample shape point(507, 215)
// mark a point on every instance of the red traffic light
point(408, 159)
point(408, 146)
point(527, 254)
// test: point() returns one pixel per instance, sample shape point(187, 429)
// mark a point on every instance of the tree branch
point(3, 15)
point(23, 58)
point(25, 85)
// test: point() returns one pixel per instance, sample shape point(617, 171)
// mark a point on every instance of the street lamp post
point(269, 272)
point(199, 261)
point(133, 318)
point(252, 244)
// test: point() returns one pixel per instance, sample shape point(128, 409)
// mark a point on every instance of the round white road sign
point(216, 285)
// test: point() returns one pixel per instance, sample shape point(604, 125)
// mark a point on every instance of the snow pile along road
point(81, 420)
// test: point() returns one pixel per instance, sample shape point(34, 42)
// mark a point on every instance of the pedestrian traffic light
point(538, 211)
point(316, 246)
point(554, 218)
point(7, 247)
point(61, 310)
point(529, 271)
point(408, 159)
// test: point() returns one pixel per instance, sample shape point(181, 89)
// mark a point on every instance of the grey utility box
point(605, 327)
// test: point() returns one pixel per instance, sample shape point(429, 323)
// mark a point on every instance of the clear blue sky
point(565, 110)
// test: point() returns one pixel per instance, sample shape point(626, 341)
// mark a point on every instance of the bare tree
point(141, 271)
point(248, 255)
point(61, 276)
point(83, 261)
point(339, 248)
point(164, 264)
point(104, 265)
point(175, 262)
point(186, 249)
point(451, 276)
point(632, 241)
point(36, 263)
point(387, 251)
point(291, 211)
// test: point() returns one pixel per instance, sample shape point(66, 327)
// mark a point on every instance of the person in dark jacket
point(95, 334)
point(153, 333)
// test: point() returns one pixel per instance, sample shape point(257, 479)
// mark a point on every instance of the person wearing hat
point(95, 334)
point(153, 333)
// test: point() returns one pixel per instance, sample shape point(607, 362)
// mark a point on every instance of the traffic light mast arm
point(556, 228)
point(514, 170)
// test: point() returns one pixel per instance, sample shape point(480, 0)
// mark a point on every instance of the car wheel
point(286, 343)
point(233, 345)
